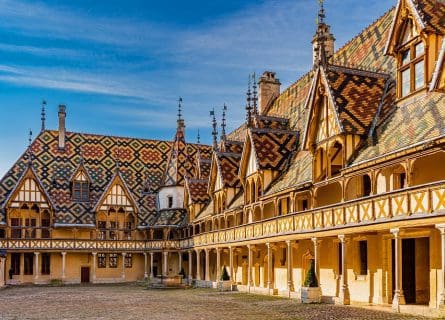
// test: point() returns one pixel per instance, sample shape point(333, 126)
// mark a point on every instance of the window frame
point(410, 47)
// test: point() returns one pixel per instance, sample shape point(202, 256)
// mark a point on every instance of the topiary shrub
point(224, 275)
point(311, 278)
point(182, 272)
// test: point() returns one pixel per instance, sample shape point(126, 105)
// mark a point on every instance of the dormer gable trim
point(439, 69)
point(248, 152)
point(215, 172)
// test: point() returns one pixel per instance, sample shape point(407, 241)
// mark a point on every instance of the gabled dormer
point(196, 196)
point(250, 176)
point(80, 184)
point(416, 41)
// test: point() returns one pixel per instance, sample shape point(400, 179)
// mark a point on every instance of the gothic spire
point(323, 41)
point(43, 114)
point(248, 104)
point(180, 120)
point(198, 138)
point(214, 131)
point(30, 155)
point(255, 95)
point(223, 123)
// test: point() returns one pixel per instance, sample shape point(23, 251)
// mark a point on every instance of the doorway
point(85, 274)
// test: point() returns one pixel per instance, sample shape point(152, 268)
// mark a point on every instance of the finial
point(321, 13)
point(321, 36)
point(214, 132)
point(198, 138)
point(255, 95)
point(248, 104)
point(43, 118)
point(179, 109)
point(223, 123)
point(29, 147)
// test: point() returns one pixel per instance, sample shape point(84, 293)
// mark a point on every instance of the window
point(363, 254)
point(29, 263)
point(31, 228)
point(113, 260)
point(46, 262)
point(101, 260)
point(304, 205)
point(113, 233)
point(2, 233)
point(81, 187)
point(16, 231)
point(129, 260)
point(170, 201)
point(102, 225)
point(45, 228)
point(15, 263)
point(366, 185)
point(412, 67)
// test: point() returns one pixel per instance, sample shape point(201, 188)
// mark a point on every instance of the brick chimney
point(269, 88)
point(62, 128)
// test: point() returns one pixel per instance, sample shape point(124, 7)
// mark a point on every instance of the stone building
point(344, 169)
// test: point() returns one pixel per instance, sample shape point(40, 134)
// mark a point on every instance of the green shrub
point(311, 277)
point(224, 275)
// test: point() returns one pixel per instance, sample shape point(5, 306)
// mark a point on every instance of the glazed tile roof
point(228, 164)
point(273, 147)
point(418, 121)
point(299, 172)
point(204, 168)
point(432, 14)
point(197, 189)
point(270, 122)
point(138, 158)
point(171, 217)
point(231, 146)
point(357, 95)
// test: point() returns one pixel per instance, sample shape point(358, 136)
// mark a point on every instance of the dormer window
point(81, 187)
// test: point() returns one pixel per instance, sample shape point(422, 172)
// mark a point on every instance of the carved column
point(344, 288)
point(63, 265)
point(36, 266)
point(399, 298)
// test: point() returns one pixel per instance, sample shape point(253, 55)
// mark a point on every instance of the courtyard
point(133, 302)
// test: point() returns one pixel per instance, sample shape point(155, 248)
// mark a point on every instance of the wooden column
point(151, 265)
point(290, 283)
point(63, 265)
point(36, 266)
point(94, 265)
point(232, 278)
point(2, 271)
point(441, 228)
point(145, 266)
point(399, 298)
point(198, 265)
point(179, 261)
point(316, 243)
point(165, 264)
point(218, 264)
point(190, 267)
point(269, 268)
point(207, 275)
point(123, 265)
point(344, 288)
point(249, 267)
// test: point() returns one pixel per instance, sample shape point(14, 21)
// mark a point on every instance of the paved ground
point(133, 302)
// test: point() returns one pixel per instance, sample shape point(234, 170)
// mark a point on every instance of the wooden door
point(85, 274)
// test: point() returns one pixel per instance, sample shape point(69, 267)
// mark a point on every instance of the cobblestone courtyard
point(133, 302)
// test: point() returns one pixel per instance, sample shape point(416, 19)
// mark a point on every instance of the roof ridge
point(359, 71)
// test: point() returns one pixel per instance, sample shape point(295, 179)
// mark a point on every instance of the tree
point(224, 275)
point(311, 277)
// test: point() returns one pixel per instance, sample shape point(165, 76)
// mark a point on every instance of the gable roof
point(197, 190)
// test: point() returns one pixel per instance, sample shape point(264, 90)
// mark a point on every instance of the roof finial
point(198, 138)
point(255, 97)
point(179, 109)
point(29, 147)
point(223, 123)
point(321, 13)
point(248, 104)
point(43, 118)
point(214, 132)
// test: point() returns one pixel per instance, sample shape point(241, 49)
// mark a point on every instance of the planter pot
point(225, 286)
point(310, 295)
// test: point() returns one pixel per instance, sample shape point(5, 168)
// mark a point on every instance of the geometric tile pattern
point(228, 164)
point(432, 13)
point(197, 189)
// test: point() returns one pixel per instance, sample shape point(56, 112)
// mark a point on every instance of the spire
point(323, 41)
point(43, 114)
point(180, 121)
point(214, 132)
point(255, 96)
point(248, 104)
point(223, 123)
point(198, 138)
point(30, 155)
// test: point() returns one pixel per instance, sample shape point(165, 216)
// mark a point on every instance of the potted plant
point(310, 292)
point(225, 284)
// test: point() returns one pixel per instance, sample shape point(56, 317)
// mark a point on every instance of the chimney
point(269, 88)
point(62, 130)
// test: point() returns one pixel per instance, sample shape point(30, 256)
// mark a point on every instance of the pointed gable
point(176, 169)
point(28, 189)
point(248, 163)
point(117, 194)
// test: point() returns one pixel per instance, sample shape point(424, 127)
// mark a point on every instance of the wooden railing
point(415, 201)
point(88, 245)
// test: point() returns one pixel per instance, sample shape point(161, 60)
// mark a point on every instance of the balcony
point(415, 202)
point(87, 245)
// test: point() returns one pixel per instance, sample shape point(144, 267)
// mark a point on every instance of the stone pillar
point(441, 228)
point(2, 271)
point(123, 265)
point(218, 264)
point(151, 265)
point(198, 265)
point(63, 265)
point(232, 278)
point(179, 261)
point(165, 264)
point(36, 266)
point(316, 243)
point(249, 266)
point(145, 266)
point(269, 267)
point(399, 298)
point(290, 283)
point(344, 288)
point(207, 275)
point(190, 266)
point(94, 265)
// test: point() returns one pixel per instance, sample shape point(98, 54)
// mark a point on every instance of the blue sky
point(120, 66)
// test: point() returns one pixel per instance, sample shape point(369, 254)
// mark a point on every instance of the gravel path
point(133, 302)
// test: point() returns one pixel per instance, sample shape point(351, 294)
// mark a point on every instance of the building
point(344, 169)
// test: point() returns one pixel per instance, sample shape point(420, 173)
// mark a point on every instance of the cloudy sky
point(120, 66)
